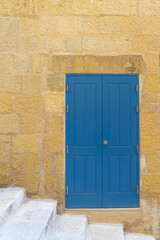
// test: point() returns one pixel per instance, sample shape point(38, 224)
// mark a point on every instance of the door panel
point(83, 136)
point(101, 107)
point(120, 176)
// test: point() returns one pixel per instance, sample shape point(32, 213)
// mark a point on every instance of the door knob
point(105, 142)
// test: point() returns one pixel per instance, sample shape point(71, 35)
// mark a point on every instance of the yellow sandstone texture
point(41, 41)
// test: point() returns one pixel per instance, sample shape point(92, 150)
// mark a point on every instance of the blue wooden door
point(101, 141)
point(83, 142)
point(120, 130)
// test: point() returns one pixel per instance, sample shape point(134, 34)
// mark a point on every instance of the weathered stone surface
point(69, 227)
point(4, 175)
point(10, 83)
point(29, 182)
point(10, 200)
point(5, 152)
point(153, 163)
point(31, 84)
point(26, 143)
point(54, 134)
point(27, 104)
point(24, 222)
point(51, 184)
point(115, 7)
point(55, 82)
point(19, 165)
point(10, 25)
point(151, 183)
point(149, 7)
point(27, 44)
point(32, 164)
point(9, 123)
point(150, 143)
point(22, 63)
point(31, 123)
point(54, 103)
point(50, 164)
point(5, 103)
point(104, 231)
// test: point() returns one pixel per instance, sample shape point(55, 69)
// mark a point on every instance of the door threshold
point(102, 209)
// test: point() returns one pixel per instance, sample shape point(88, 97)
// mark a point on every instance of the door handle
point(105, 142)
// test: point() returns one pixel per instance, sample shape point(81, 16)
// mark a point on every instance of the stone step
point(10, 200)
point(98, 231)
point(68, 227)
point(136, 236)
point(32, 221)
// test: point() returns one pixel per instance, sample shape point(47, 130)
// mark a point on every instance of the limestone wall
point(40, 41)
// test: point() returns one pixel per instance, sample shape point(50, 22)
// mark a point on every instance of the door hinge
point(67, 149)
point(137, 189)
point(67, 108)
point(137, 108)
point(67, 190)
point(67, 88)
point(137, 148)
point(137, 88)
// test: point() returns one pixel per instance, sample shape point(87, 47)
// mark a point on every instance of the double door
point(102, 134)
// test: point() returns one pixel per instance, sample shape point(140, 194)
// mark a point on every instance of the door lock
point(105, 142)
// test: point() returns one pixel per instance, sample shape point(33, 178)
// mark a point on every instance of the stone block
point(29, 182)
point(153, 163)
point(5, 103)
point(26, 143)
point(5, 138)
point(55, 82)
point(51, 184)
point(149, 7)
point(27, 44)
point(89, 24)
point(116, 7)
point(29, 25)
point(51, 7)
point(44, 44)
point(149, 103)
point(10, 83)
point(109, 43)
point(152, 62)
point(150, 143)
point(146, 44)
point(151, 183)
point(5, 152)
point(31, 84)
point(152, 84)
point(18, 164)
point(73, 44)
point(27, 104)
point(9, 123)
point(54, 103)
point(10, 25)
point(15, 8)
point(65, 64)
point(32, 164)
point(119, 25)
point(39, 62)
point(8, 43)
point(50, 164)
point(151, 25)
point(4, 175)
point(6, 63)
point(150, 123)
point(55, 134)
point(31, 123)
point(22, 63)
